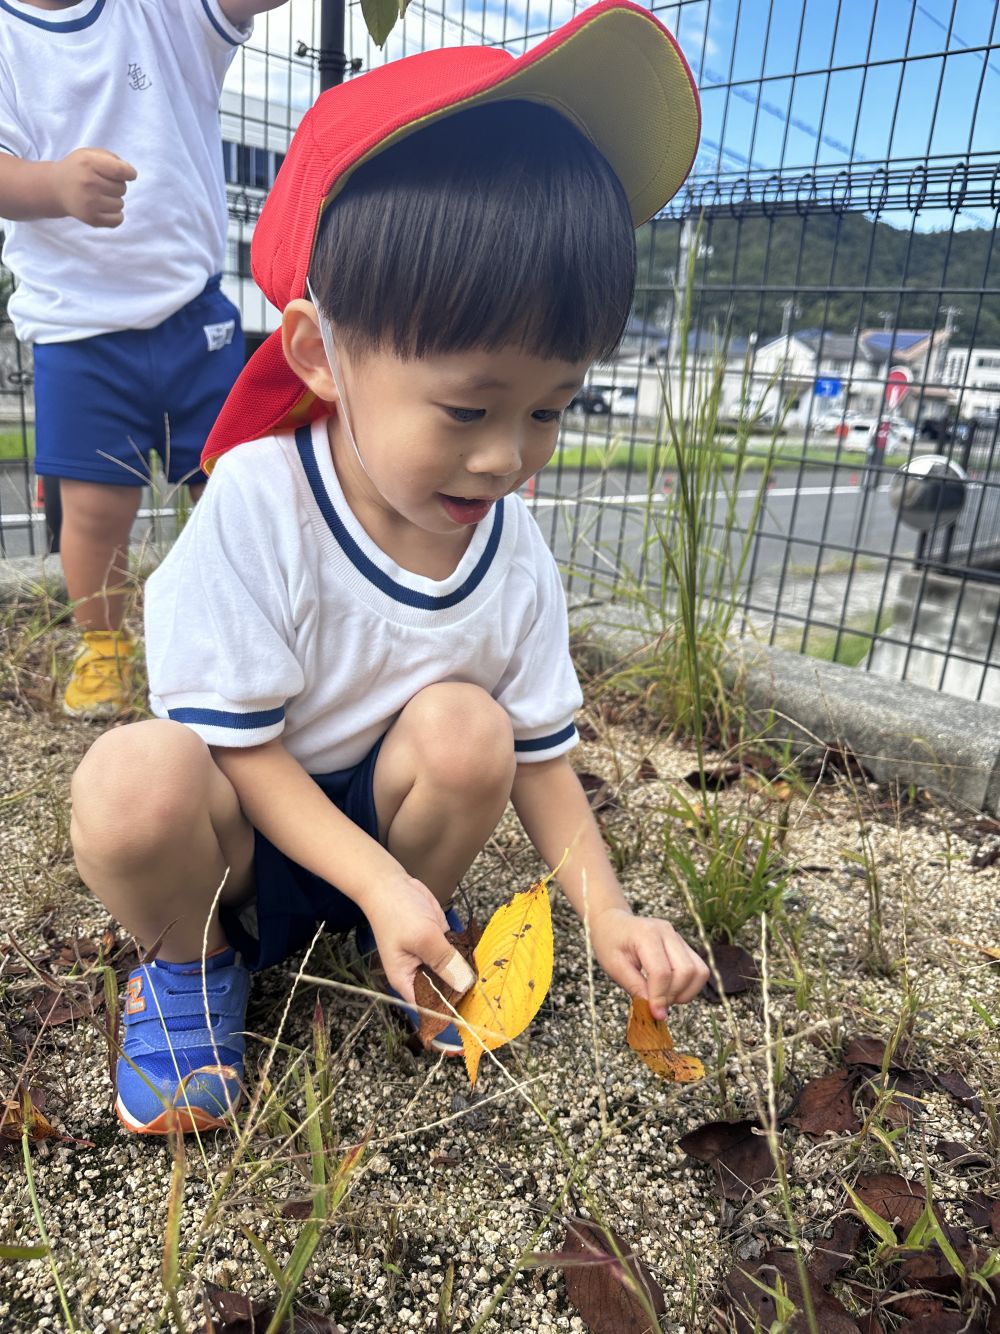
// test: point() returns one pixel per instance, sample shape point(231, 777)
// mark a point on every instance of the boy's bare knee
point(465, 738)
point(137, 788)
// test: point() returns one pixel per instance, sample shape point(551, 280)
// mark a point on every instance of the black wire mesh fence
point(839, 228)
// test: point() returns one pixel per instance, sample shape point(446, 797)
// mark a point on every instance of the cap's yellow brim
point(624, 83)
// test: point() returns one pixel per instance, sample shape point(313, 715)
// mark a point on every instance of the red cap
point(614, 71)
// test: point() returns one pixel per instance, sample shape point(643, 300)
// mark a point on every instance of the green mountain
point(843, 273)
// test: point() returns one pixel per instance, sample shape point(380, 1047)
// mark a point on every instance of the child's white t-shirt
point(276, 615)
point(140, 78)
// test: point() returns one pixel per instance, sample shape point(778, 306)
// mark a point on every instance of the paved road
point(608, 521)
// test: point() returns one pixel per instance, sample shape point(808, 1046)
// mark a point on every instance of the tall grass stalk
point(694, 547)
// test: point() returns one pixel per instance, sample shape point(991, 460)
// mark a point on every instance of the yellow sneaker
point(102, 670)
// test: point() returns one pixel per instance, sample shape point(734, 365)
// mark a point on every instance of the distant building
point(972, 375)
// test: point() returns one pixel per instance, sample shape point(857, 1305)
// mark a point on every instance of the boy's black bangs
point(498, 225)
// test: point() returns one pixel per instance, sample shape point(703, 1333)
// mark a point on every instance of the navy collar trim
point(52, 25)
point(216, 24)
point(398, 592)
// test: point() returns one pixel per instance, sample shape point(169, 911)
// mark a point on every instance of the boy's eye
point(466, 414)
point(548, 414)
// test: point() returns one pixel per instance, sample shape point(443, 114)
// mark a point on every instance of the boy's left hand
point(647, 957)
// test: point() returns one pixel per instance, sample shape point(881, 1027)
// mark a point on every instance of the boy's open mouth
point(462, 510)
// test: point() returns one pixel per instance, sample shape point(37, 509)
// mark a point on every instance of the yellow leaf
point(513, 962)
point(990, 951)
point(651, 1039)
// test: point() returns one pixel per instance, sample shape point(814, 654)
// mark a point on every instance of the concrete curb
point(899, 731)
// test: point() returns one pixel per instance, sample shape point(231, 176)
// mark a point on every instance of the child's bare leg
point(442, 782)
point(155, 824)
point(97, 520)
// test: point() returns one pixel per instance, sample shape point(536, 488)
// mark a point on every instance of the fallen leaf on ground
point(955, 1083)
point(898, 1201)
point(990, 951)
point(49, 1008)
point(234, 1313)
point(17, 1113)
point(513, 963)
point(871, 1051)
point(430, 990)
point(716, 779)
point(742, 1158)
point(598, 791)
point(825, 1105)
point(983, 1210)
point(737, 971)
point(960, 1155)
point(646, 772)
point(752, 1308)
point(831, 1255)
point(612, 1294)
point(650, 1039)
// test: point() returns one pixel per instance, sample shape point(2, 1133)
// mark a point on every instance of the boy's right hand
point(90, 185)
point(409, 926)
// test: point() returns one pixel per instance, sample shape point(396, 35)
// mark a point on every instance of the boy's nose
point(499, 455)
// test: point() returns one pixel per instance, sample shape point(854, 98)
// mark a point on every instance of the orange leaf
point(17, 1114)
point(513, 962)
point(651, 1039)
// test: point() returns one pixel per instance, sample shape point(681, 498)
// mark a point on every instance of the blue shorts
point(291, 901)
point(103, 403)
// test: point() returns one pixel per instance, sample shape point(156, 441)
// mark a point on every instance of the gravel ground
point(464, 1185)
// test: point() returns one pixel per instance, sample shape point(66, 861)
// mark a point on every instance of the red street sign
point(896, 386)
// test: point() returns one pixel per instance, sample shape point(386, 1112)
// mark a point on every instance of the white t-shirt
point(141, 78)
point(276, 615)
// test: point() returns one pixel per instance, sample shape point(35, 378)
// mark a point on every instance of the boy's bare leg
point(97, 521)
point(442, 781)
point(154, 826)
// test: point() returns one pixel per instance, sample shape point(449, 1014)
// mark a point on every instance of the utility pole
point(331, 57)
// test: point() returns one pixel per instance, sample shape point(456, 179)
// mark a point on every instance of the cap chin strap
point(326, 333)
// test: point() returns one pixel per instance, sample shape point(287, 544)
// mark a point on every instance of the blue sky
point(785, 110)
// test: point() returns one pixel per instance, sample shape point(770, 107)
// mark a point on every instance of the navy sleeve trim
point(206, 6)
point(242, 722)
point(545, 742)
point(6, 148)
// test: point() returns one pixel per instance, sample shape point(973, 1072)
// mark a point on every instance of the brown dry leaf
point(651, 1039)
point(741, 1158)
point(717, 779)
point(598, 791)
point(983, 1210)
point(513, 963)
point(611, 1294)
point(429, 990)
point(647, 771)
point(737, 970)
point(752, 1308)
point(833, 1254)
point(898, 1201)
point(825, 1106)
point(866, 1050)
point(234, 1313)
point(49, 1007)
point(990, 951)
point(958, 1155)
point(16, 1113)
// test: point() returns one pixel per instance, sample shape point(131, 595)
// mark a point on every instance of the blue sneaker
point(448, 1040)
point(183, 1070)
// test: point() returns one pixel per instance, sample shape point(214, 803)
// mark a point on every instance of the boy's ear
point(302, 344)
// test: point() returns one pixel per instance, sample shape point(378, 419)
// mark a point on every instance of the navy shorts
point(291, 901)
point(103, 403)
